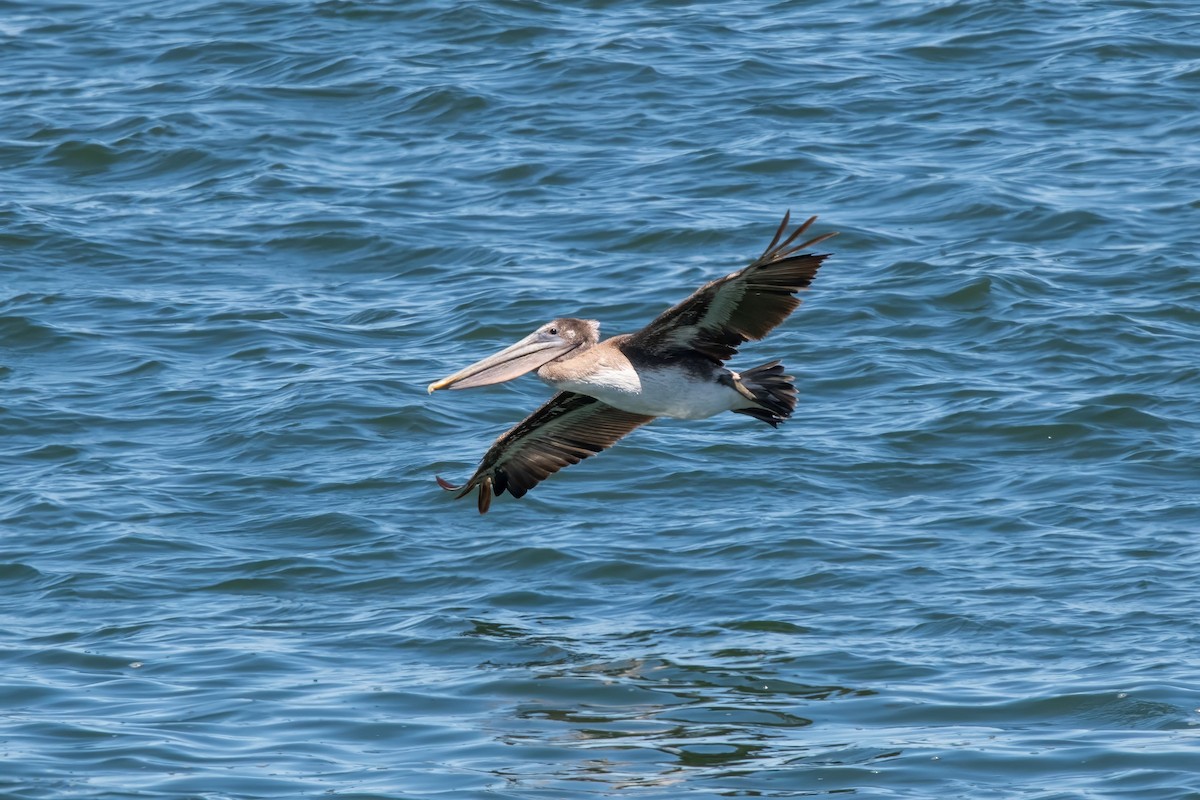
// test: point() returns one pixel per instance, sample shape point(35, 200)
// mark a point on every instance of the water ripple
point(240, 239)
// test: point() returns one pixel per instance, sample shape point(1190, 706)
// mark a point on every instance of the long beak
point(511, 362)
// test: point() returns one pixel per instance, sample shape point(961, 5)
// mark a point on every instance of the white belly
point(657, 393)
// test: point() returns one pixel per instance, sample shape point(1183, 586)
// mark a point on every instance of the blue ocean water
point(238, 238)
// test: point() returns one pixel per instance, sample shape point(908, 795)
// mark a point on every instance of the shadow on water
point(651, 721)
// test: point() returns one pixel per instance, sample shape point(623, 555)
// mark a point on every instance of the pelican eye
point(553, 331)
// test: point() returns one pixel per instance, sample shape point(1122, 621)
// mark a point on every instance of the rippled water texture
point(237, 240)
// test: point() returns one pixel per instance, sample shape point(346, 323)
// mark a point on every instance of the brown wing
point(748, 304)
point(567, 429)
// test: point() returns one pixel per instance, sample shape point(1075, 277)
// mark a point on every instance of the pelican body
point(674, 367)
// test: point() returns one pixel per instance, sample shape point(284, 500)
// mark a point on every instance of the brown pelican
point(673, 367)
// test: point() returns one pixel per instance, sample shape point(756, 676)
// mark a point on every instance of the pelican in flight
point(673, 367)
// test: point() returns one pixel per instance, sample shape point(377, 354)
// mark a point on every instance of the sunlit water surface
point(237, 240)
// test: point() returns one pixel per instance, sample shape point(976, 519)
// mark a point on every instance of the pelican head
point(557, 339)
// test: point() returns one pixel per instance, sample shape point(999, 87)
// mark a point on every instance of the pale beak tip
point(433, 387)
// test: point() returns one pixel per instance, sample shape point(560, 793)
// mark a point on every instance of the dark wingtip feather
point(811, 242)
point(778, 233)
point(799, 230)
point(485, 495)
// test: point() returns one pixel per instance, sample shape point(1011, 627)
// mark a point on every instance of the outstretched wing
point(748, 304)
point(567, 429)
